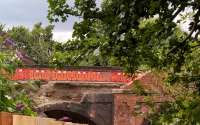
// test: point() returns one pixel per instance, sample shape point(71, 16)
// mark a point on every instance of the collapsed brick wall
point(151, 81)
point(154, 82)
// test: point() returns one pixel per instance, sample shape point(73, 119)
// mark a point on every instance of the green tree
point(37, 43)
point(114, 28)
point(11, 100)
point(142, 33)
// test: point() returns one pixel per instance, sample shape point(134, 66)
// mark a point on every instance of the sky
point(29, 12)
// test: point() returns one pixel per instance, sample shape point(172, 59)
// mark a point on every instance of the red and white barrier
point(70, 75)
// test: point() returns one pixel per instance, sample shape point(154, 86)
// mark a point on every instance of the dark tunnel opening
point(74, 117)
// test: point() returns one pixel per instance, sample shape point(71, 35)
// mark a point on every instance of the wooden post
point(23, 120)
point(5, 118)
point(44, 121)
point(12, 119)
point(55, 123)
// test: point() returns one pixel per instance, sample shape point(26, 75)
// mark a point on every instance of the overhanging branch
point(185, 40)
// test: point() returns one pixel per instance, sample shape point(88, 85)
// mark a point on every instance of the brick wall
point(152, 82)
point(125, 108)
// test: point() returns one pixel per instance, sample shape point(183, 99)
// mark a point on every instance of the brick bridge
point(93, 95)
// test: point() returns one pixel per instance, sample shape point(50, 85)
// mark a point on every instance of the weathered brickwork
point(151, 82)
point(99, 102)
point(97, 108)
point(124, 106)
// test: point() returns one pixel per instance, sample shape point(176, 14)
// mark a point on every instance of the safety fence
point(87, 75)
point(11, 119)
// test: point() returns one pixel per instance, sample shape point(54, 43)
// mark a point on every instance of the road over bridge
point(92, 95)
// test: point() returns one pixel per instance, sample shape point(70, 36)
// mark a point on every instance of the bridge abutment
point(97, 108)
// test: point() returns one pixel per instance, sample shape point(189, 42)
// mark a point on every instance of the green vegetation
point(131, 34)
point(183, 110)
point(36, 43)
point(11, 99)
point(135, 34)
point(138, 89)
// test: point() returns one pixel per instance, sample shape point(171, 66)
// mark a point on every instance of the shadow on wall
point(69, 116)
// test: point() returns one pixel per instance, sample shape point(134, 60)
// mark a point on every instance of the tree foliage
point(183, 109)
point(36, 43)
point(115, 28)
point(141, 33)
point(11, 100)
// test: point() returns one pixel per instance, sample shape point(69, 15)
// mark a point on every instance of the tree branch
point(184, 41)
point(177, 12)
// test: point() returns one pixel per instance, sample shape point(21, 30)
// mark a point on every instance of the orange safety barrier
point(70, 75)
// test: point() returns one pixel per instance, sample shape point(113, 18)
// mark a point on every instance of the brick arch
point(71, 107)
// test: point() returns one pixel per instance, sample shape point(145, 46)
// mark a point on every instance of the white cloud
point(30, 12)
point(62, 36)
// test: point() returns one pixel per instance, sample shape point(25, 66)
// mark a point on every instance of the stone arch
point(81, 110)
